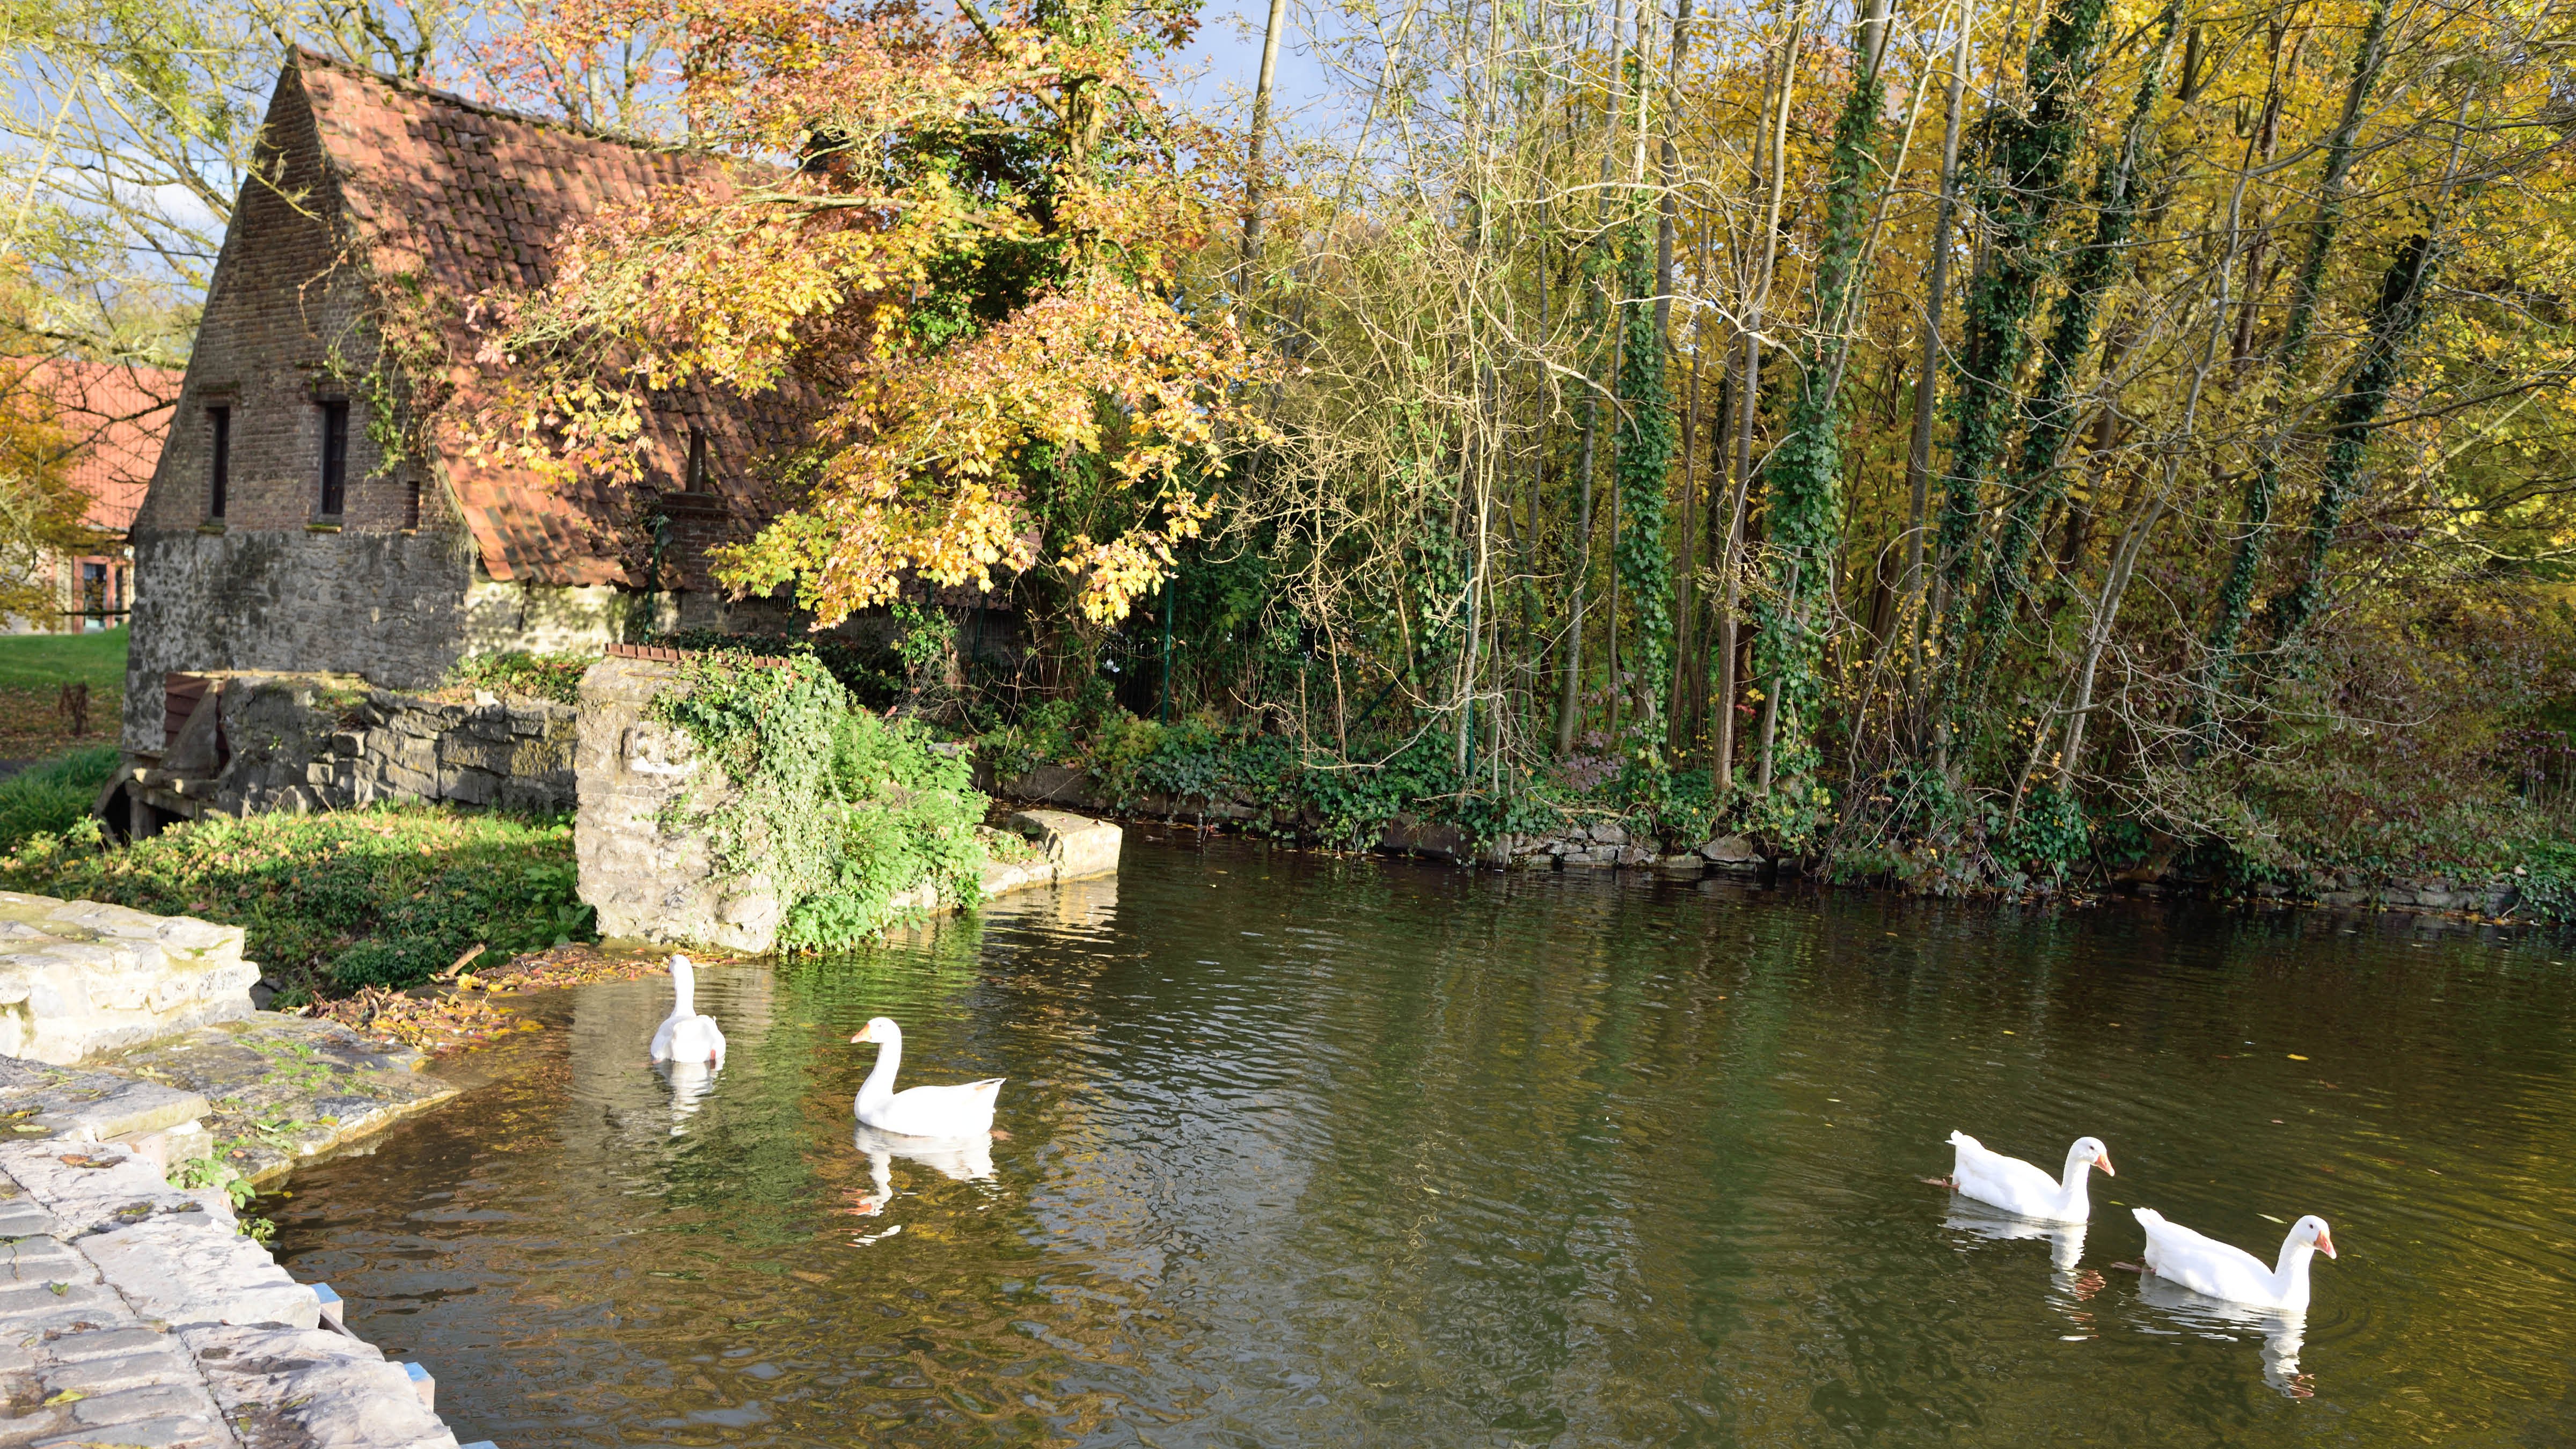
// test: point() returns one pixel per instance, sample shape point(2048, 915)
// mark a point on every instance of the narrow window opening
point(411, 506)
point(335, 457)
point(219, 472)
point(696, 481)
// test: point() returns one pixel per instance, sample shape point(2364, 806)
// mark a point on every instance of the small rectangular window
point(696, 481)
point(411, 506)
point(335, 457)
point(219, 470)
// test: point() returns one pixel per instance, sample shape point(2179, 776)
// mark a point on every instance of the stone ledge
point(287, 1089)
point(78, 977)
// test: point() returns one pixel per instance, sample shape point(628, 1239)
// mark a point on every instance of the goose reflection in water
point(962, 1160)
point(2065, 1246)
point(690, 1082)
point(2283, 1334)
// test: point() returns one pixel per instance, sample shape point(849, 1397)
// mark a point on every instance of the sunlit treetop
point(955, 242)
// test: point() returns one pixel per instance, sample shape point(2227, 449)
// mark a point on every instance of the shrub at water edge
point(841, 810)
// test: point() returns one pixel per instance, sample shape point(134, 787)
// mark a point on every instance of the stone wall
point(305, 742)
point(77, 977)
point(390, 608)
point(648, 883)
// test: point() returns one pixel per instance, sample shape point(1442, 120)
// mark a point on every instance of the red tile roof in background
point(467, 199)
point(113, 417)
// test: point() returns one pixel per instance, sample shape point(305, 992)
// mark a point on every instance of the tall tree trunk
point(2026, 185)
point(1252, 177)
point(1570, 700)
point(2356, 415)
point(1927, 389)
point(1644, 470)
point(1667, 227)
point(1748, 392)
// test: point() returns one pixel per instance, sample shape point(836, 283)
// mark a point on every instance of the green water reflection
point(1311, 1151)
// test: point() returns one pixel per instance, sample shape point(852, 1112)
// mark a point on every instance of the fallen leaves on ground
point(450, 1019)
point(577, 965)
point(436, 1024)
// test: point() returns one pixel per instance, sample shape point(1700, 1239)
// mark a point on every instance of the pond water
point(1319, 1151)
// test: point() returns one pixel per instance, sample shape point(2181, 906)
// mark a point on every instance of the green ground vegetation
point(52, 797)
point(381, 897)
point(546, 676)
point(49, 661)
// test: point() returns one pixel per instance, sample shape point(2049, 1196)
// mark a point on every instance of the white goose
point(685, 1036)
point(2212, 1268)
point(963, 1111)
point(2023, 1190)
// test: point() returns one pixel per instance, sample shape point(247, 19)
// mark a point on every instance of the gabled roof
point(113, 417)
point(457, 199)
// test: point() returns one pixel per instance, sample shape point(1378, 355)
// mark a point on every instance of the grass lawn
point(337, 901)
point(33, 670)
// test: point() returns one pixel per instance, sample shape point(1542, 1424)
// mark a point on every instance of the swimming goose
point(963, 1111)
point(685, 1036)
point(2023, 1190)
point(2212, 1268)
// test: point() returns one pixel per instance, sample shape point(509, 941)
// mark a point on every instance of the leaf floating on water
point(2294, 1056)
point(2267, 1217)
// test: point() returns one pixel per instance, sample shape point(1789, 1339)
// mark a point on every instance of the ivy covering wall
point(843, 810)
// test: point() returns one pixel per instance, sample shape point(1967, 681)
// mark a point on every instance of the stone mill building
point(303, 519)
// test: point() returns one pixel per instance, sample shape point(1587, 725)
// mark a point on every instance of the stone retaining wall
point(1578, 845)
point(1608, 844)
point(305, 742)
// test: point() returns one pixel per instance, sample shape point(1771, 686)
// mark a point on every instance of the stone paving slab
point(281, 1089)
point(38, 1102)
point(292, 1387)
point(135, 1313)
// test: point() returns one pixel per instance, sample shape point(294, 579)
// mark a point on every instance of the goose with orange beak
point(2207, 1266)
point(2022, 1189)
point(961, 1112)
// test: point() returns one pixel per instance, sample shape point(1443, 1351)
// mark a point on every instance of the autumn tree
point(958, 241)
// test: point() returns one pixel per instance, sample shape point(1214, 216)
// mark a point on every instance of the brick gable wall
point(284, 329)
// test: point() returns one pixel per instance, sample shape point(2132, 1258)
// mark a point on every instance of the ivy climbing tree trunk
point(2236, 596)
point(1643, 463)
point(2054, 408)
point(2025, 185)
point(1805, 471)
point(2356, 416)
